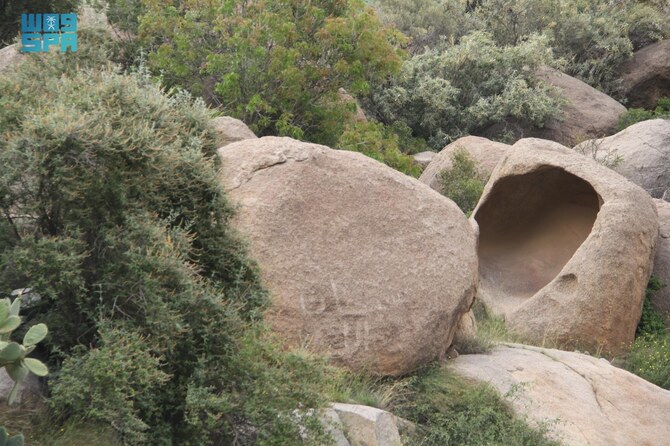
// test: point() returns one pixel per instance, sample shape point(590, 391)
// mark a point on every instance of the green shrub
point(592, 36)
point(462, 183)
point(379, 142)
point(450, 411)
point(11, 10)
point(651, 320)
point(450, 91)
point(113, 212)
point(275, 65)
point(635, 115)
point(649, 358)
point(427, 22)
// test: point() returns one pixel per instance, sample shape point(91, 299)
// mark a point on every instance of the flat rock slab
point(586, 401)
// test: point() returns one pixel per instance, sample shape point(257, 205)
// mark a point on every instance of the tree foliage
point(453, 90)
point(275, 65)
point(112, 211)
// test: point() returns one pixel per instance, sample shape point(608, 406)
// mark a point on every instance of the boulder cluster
point(379, 271)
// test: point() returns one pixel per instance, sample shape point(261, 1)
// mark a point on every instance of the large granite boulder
point(565, 247)
point(582, 400)
point(646, 77)
point(661, 298)
point(230, 130)
point(587, 113)
point(364, 264)
point(485, 153)
point(643, 150)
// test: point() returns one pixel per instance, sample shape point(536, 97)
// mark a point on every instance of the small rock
point(230, 130)
point(368, 426)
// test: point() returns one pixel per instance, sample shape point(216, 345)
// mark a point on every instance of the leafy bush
point(113, 212)
point(450, 91)
point(635, 115)
point(594, 37)
point(427, 22)
point(651, 320)
point(11, 10)
point(462, 183)
point(379, 142)
point(275, 65)
point(649, 358)
point(450, 411)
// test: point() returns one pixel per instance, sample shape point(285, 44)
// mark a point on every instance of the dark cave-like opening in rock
point(530, 226)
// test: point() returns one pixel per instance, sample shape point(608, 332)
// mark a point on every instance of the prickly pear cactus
point(5, 440)
point(12, 354)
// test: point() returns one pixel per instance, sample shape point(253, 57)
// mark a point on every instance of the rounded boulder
point(364, 264)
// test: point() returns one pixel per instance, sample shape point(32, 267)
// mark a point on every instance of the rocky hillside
point(286, 222)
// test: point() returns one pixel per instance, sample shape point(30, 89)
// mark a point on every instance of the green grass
point(449, 410)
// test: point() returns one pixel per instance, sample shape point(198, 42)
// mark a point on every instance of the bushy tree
point(113, 213)
point(277, 65)
point(453, 90)
point(594, 37)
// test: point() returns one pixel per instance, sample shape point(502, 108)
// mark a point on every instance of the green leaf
point(4, 310)
point(14, 392)
point(16, 440)
point(36, 366)
point(12, 352)
point(35, 335)
point(10, 324)
point(16, 307)
point(17, 372)
point(3, 435)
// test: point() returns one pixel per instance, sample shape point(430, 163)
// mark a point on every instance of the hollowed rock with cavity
point(565, 247)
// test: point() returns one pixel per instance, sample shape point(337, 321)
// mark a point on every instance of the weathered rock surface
point(586, 400)
point(230, 130)
point(423, 159)
point(565, 246)
point(368, 426)
point(644, 150)
point(9, 56)
point(646, 77)
point(661, 298)
point(484, 152)
point(364, 263)
point(333, 427)
point(588, 113)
